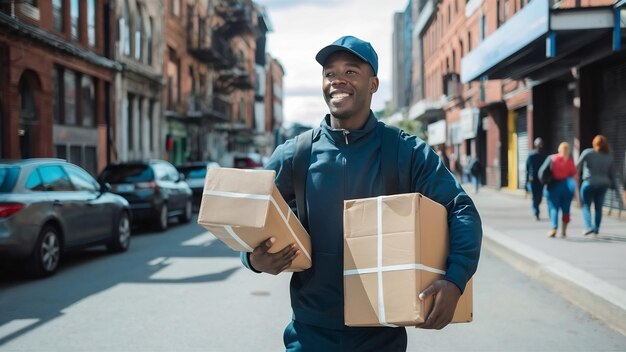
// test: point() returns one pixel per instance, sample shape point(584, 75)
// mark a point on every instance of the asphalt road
point(184, 291)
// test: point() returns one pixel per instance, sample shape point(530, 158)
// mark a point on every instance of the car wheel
point(186, 216)
point(46, 256)
point(120, 240)
point(161, 224)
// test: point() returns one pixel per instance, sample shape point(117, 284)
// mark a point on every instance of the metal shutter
point(610, 88)
point(561, 112)
point(522, 146)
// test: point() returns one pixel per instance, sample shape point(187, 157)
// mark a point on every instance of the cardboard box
point(243, 208)
point(394, 247)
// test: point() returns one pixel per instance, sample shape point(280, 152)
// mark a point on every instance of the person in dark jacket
point(475, 168)
point(345, 163)
point(533, 184)
point(596, 166)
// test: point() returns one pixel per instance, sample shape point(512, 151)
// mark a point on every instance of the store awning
point(539, 39)
point(428, 109)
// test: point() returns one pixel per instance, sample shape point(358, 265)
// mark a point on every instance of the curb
point(601, 299)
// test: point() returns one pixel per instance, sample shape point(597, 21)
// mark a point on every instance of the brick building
point(55, 75)
point(495, 74)
point(98, 81)
point(212, 50)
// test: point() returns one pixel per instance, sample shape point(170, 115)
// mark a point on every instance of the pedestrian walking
point(560, 190)
point(596, 166)
point(346, 162)
point(533, 183)
point(474, 170)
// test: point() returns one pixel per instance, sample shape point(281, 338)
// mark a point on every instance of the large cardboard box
point(394, 247)
point(243, 208)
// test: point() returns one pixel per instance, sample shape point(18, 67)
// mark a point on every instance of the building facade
point(497, 74)
point(56, 74)
point(101, 81)
point(139, 85)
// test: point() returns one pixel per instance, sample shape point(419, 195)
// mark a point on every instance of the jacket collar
point(340, 136)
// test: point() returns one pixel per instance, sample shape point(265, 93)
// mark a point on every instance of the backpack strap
point(302, 159)
point(300, 166)
point(389, 158)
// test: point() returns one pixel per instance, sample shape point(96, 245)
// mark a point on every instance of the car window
point(55, 178)
point(8, 176)
point(194, 172)
point(172, 172)
point(161, 172)
point(127, 174)
point(34, 182)
point(81, 180)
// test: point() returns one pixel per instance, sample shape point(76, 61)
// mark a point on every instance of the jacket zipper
point(345, 135)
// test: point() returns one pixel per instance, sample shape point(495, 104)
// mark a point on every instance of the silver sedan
point(50, 206)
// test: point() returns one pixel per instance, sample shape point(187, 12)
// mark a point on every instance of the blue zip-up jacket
point(347, 165)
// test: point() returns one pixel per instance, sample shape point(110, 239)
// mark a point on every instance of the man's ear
point(373, 84)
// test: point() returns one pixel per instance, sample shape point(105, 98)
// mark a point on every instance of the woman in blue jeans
point(560, 191)
point(596, 166)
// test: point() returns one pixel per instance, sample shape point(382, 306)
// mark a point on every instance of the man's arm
point(260, 260)
point(465, 232)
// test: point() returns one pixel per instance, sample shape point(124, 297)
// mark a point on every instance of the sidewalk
point(589, 271)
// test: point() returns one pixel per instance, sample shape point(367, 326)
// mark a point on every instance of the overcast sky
point(302, 27)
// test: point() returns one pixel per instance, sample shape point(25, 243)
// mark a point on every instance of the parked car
point(248, 161)
point(155, 190)
point(49, 206)
point(195, 173)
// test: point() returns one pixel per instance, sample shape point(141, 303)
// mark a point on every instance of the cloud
point(302, 28)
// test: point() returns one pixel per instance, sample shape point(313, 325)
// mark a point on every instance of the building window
point(129, 122)
point(483, 27)
point(74, 19)
point(454, 61)
point(503, 11)
point(241, 116)
point(150, 125)
point(140, 123)
point(91, 160)
point(57, 99)
point(76, 154)
point(138, 32)
point(60, 151)
point(125, 28)
point(88, 98)
point(175, 7)
point(27, 100)
point(57, 15)
point(149, 43)
point(69, 94)
point(173, 79)
point(91, 22)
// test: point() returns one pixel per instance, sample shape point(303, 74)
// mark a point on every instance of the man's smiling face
point(348, 85)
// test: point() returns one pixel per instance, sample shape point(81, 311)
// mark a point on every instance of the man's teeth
point(340, 95)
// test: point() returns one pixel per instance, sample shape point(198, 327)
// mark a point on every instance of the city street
point(182, 290)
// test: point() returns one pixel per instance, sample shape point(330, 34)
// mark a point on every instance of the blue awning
point(536, 38)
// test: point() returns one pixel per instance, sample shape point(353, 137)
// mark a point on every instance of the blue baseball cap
point(362, 49)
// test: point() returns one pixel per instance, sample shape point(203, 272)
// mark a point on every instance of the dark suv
point(155, 190)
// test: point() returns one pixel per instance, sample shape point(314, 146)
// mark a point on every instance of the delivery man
point(345, 163)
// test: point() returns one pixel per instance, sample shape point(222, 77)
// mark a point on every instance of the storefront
point(557, 96)
point(610, 112)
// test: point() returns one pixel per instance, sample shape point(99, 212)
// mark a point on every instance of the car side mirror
point(105, 187)
point(181, 177)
